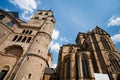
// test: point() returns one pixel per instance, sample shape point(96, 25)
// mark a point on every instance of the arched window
point(2, 16)
point(16, 36)
point(3, 72)
point(27, 31)
point(23, 31)
point(24, 39)
point(114, 63)
point(19, 39)
point(85, 67)
point(29, 39)
point(105, 43)
point(30, 32)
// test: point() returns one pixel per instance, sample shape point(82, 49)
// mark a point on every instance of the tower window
point(24, 39)
point(46, 13)
point(19, 39)
point(52, 21)
point(105, 43)
point(30, 32)
point(43, 18)
point(11, 23)
point(27, 31)
point(40, 13)
point(36, 17)
point(29, 39)
point(15, 38)
point(29, 76)
point(2, 16)
point(23, 31)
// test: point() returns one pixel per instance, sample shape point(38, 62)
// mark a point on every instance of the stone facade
point(94, 53)
point(24, 45)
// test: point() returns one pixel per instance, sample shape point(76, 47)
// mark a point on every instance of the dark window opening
point(29, 39)
point(46, 13)
point(15, 38)
point(40, 13)
point(52, 20)
point(29, 76)
point(27, 32)
point(30, 32)
point(3, 74)
point(11, 23)
point(2, 16)
point(43, 18)
point(24, 39)
point(36, 17)
point(23, 31)
point(105, 43)
point(19, 39)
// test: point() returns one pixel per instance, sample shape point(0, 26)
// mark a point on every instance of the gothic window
point(29, 39)
point(30, 32)
point(3, 72)
point(11, 23)
point(114, 63)
point(19, 39)
point(36, 17)
point(85, 67)
point(27, 31)
point(23, 31)
point(105, 43)
point(24, 39)
point(2, 16)
point(15, 38)
point(46, 13)
point(40, 13)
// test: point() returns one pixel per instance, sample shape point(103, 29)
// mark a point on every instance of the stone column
point(91, 68)
point(65, 71)
point(80, 72)
point(72, 66)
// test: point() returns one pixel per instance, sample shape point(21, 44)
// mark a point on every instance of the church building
point(93, 57)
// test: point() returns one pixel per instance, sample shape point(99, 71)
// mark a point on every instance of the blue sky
point(72, 16)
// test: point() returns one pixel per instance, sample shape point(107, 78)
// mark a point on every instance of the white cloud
point(63, 39)
point(55, 34)
point(55, 46)
point(53, 65)
point(114, 21)
point(116, 38)
point(28, 7)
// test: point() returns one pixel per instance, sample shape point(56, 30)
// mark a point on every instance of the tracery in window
point(114, 63)
point(105, 43)
point(85, 67)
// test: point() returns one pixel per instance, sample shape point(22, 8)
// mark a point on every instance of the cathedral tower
point(24, 46)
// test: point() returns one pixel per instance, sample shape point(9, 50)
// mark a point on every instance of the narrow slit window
point(19, 39)
point(27, 31)
point(15, 38)
point(23, 31)
point(29, 39)
point(24, 39)
point(30, 32)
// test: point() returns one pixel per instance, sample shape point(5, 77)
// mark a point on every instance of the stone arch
point(14, 50)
